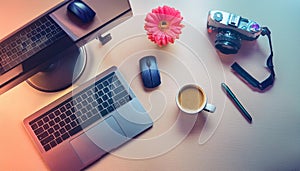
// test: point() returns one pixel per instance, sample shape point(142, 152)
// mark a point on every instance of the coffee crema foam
point(191, 98)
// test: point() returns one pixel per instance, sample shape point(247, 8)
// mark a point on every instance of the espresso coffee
point(191, 98)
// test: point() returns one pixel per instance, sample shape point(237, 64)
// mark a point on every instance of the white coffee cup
point(191, 99)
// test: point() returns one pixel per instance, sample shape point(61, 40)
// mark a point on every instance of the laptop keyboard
point(80, 111)
point(28, 41)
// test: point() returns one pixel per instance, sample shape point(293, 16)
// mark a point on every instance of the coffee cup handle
point(210, 108)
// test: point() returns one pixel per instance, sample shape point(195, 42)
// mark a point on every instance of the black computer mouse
point(149, 72)
point(82, 11)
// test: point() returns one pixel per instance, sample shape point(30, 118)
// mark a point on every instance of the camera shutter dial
point(218, 16)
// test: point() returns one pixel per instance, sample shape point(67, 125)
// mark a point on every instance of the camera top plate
point(248, 29)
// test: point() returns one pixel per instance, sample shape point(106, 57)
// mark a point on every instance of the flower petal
point(167, 34)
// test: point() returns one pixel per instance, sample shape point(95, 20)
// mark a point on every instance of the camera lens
point(228, 42)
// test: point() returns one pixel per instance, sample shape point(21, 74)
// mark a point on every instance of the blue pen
point(237, 102)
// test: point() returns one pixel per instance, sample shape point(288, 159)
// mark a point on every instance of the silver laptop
point(87, 123)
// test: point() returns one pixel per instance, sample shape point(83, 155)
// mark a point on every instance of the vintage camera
point(231, 29)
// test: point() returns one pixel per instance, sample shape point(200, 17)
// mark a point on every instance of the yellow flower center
point(163, 25)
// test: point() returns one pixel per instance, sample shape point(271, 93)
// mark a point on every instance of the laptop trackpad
point(99, 140)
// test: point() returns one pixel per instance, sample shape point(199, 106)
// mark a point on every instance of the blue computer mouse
point(149, 72)
point(82, 11)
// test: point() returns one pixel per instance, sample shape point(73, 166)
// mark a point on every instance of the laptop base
point(62, 73)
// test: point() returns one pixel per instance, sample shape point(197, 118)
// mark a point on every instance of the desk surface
point(271, 142)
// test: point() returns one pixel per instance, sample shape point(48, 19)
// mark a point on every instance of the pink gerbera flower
point(163, 25)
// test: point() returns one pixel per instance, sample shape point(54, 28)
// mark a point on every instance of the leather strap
point(250, 79)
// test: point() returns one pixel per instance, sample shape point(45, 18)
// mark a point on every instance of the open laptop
point(28, 49)
point(87, 123)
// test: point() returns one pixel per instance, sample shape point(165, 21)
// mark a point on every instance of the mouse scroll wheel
point(148, 62)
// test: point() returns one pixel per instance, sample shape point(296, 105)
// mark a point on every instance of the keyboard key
point(47, 140)
point(62, 130)
point(110, 101)
point(57, 113)
point(65, 136)
point(62, 123)
point(106, 90)
point(51, 123)
point(90, 99)
point(75, 130)
point(73, 109)
point(105, 104)
point(34, 126)
point(40, 123)
point(89, 114)
point(84, 103)
point(47, 147)
point(53, 143)
point(51, 130)
point(118, 90)
point(56, 127)
point(105, 97)
point(58, 140)
point(51, 116)
point(39, 131)
point(68, 105)
point(120, 95)
point(83, 118)
point(84, 96)
point(73, 124)
point(117, 105)
point(68, 127)
point(104, 112)
point(78, 99)
point(56, 134)
point(94, 104)
point(73, 117)
point(127, 98)
point(67, 120)
point(62, 109)
point(46, 126)
point(43, 135)
point(62, 116)
point(57, 120)
point(110, 109)
point(94, 111)
point(89, 107)
point(83, 110)
point(68, 113)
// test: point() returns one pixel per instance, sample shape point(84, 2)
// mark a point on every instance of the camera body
point(231, 29)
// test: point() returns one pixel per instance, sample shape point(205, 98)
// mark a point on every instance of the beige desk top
point(220, 141)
